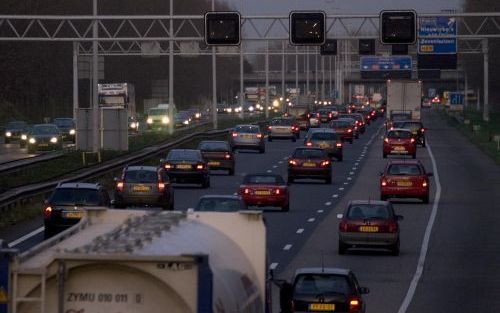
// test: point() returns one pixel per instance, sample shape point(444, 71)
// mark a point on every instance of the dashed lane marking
point(287, 247)
point(300, 230)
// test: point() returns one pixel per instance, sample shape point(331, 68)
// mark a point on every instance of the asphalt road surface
point(449, 257)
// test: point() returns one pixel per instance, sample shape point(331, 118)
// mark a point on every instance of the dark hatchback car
point(144, 186)
point(186, 166)
point(416, 127)
point(67, 204)
point(218, 155)
point(43, 137)
point(310, 163)
point(323, 290)
point(67, 128)
point(14, 130)
point(220, 203)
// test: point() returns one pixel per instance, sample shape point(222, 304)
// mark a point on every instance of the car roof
point(246, 125)
point(344, 119)
point(79, 185)
point(322, 270)
point(404, 161)
point(185, 150)
point(140, 167)
point(368, 202)
point(308, 148)
point(321, 130)
point(228, 197)
point(408, 121)
point(263, 174)
point(400, 129)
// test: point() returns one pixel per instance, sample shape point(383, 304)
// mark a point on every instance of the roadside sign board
point(437, 26)
point(431, 92)
point(456, 98)
point(4, 281)
point(386, 63)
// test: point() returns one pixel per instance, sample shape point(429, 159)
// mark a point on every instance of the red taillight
point(325, 163)
point(308, 115)
point(277, 191)
point(343, 226)
point(422, 130)
point(200, 166)
point(235, 134)
point(386, 139)
point(292, 162)
point(119, 186)
point(48, 211)
point(354, 305)
point(373, 113)
point(168, 166)
point(424, 184)
point(383, 182)
point(339, 145)
point(269, 127)
point(355, 127)
point(412, 140)
point(227, 156)
point(349, 130)
point(317, 114)
point(309, 144)
point(161, 186)
point(259, 135)
point(330, 115)
point(393, 227)
point(246, 191)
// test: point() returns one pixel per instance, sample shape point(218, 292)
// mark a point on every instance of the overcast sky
point(282, 7)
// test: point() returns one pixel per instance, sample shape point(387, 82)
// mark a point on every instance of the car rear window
point(309, 154)
point(412, 125)
point(219, 205)
point(214, 146)
point(183, 155)
point(263, 179)
point(45, 130)
point(141, 176)
point(399, 134)
point(368, 211)
point(75, 196)
point(341, 124)
point(323, 136)
point(281, 122)
point(247, 129)
point(404, 169)
point(321, 284)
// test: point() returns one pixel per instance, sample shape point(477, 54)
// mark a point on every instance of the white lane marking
point(273, 266)
point(312, 219)
point(427, 237)
point(25, 237)
point(354, 168)
point(349, 178)
point(235, 194)
point(269, 171)
point(321, 211)
point(287, 247)
point(285, 158)
point(328, 203)
point(356, 164)
point(341, 188)
point(300, 230)
point(346, 183)
point(351, 173)
point(280, 162)
point(335, 196)
point(275, 166)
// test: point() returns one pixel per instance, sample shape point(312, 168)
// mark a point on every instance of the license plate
point(43, 145)
point(247, 136)
point(309, 164)
point(322, 307)
point(262, 192)
point(404, 183)
point(72, 214)
point(324, 145)
point(184, 166)
point(213, 163)
point(368, 229)
point(141, 188)
point(399, 148)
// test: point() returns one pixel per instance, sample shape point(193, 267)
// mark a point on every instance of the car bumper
point(220, 164)
point(153, 199)
point(187, 177)
point(369, 239)
point(283, 135)
point(391, 150)
point(404, 192)
point(44, 147)
point(309, 172)
point(247, 145)
point(265, 200)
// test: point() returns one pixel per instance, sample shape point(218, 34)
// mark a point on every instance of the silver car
point(247, 137)
point(282, 128)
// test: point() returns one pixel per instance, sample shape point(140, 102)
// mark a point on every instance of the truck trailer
point(138, 261)
point(404, 97)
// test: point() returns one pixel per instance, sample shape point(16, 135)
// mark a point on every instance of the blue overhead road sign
point(390, 63)
point(456, 98)
point(437, 26)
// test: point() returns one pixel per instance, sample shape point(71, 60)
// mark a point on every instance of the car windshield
point(75, 196)
point(247, 129)
point(412, 125)
point(399, 134)
point(214, 146)
point(141, 176)
point(183, 155)
point(16, 125)
point(264, 179)
point(281, 122)
point(44, 130)
point(182, 115)
point(309, 154)
point(368, 211)
point(63, 122)
point(404, 169)
point(324, 111)
point(324, 136)
point(158, 111)
point(399, 117)
point(321, 284)
point(340, 124)
point(219, 205)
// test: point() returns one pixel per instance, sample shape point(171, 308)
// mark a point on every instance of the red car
point(265, 190)
point(345, 127)
point(313, 163)
point(405, 179)
point(400, 141)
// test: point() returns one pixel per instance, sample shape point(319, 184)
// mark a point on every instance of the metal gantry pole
point(486, 105)
point(323, 77)
point(307, 71)
point(95, 77)
point(330, 76)
point(214, 82)
point(316, 89)
point(171, 117)
point(283, 70)
point(266, 105)
point(242, 91)
point(75, 79)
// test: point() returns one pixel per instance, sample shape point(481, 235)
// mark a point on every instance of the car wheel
point(206, 183)
point(423, 143)
point(328, 180)
point(425, 199)
point(231, 171)
point(383, 198)
point(357, 136)
point(290, 180)
point(298, 136)
point(340, 158)
point(384, 155)
point(269, 138)
point(48, 232)
point(262, 150)
point(414, 155)
point(294, 139)
point(342, 248)
point(285, 208)
point(395, 248)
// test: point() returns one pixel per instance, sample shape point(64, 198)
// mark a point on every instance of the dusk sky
point(282, 7)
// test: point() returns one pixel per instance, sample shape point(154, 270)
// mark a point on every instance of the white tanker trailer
point(124, 261)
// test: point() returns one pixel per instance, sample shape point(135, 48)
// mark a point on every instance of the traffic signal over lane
point(398, 27)
point(307, 28)
point(222, 28)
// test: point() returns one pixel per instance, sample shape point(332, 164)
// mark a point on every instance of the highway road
point(449, 257)
point(11, 152)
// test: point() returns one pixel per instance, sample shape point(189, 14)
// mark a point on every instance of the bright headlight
point(72, 131)
point(186, 122)
point(149, 121)
point(250, 108)
point(24, 137)
point(53, 140)
point(165, 120)
point(32, 140)
point(197, 115)
point(132, 125)
point(8, 134)
point(229, 110)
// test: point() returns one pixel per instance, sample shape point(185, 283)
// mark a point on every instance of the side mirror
point(400, 217)
point(364, 290)
point(430, 174)
point(340, 216)
point(286, 298)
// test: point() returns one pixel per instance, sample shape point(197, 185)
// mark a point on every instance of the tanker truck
point(124, 261)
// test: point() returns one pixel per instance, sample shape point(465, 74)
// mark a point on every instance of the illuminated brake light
point(199, 166)
point(270, 127)
point(168, 166)
point(235, 134)
point(354, 305)
point(259, 135)
point(161, 186)
point(386, 139)
point(330, 115)
point(246, 191)
point(349, 130)
point(120, 185)
point(227, 156)
point(48, 211)
point(325, 163)
point(339, 144)
point(277, 191)
point(309, 144)
point(383, 183)
point(412, 140)
point(422, 130)
point(292, 162)
point(424, 184)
